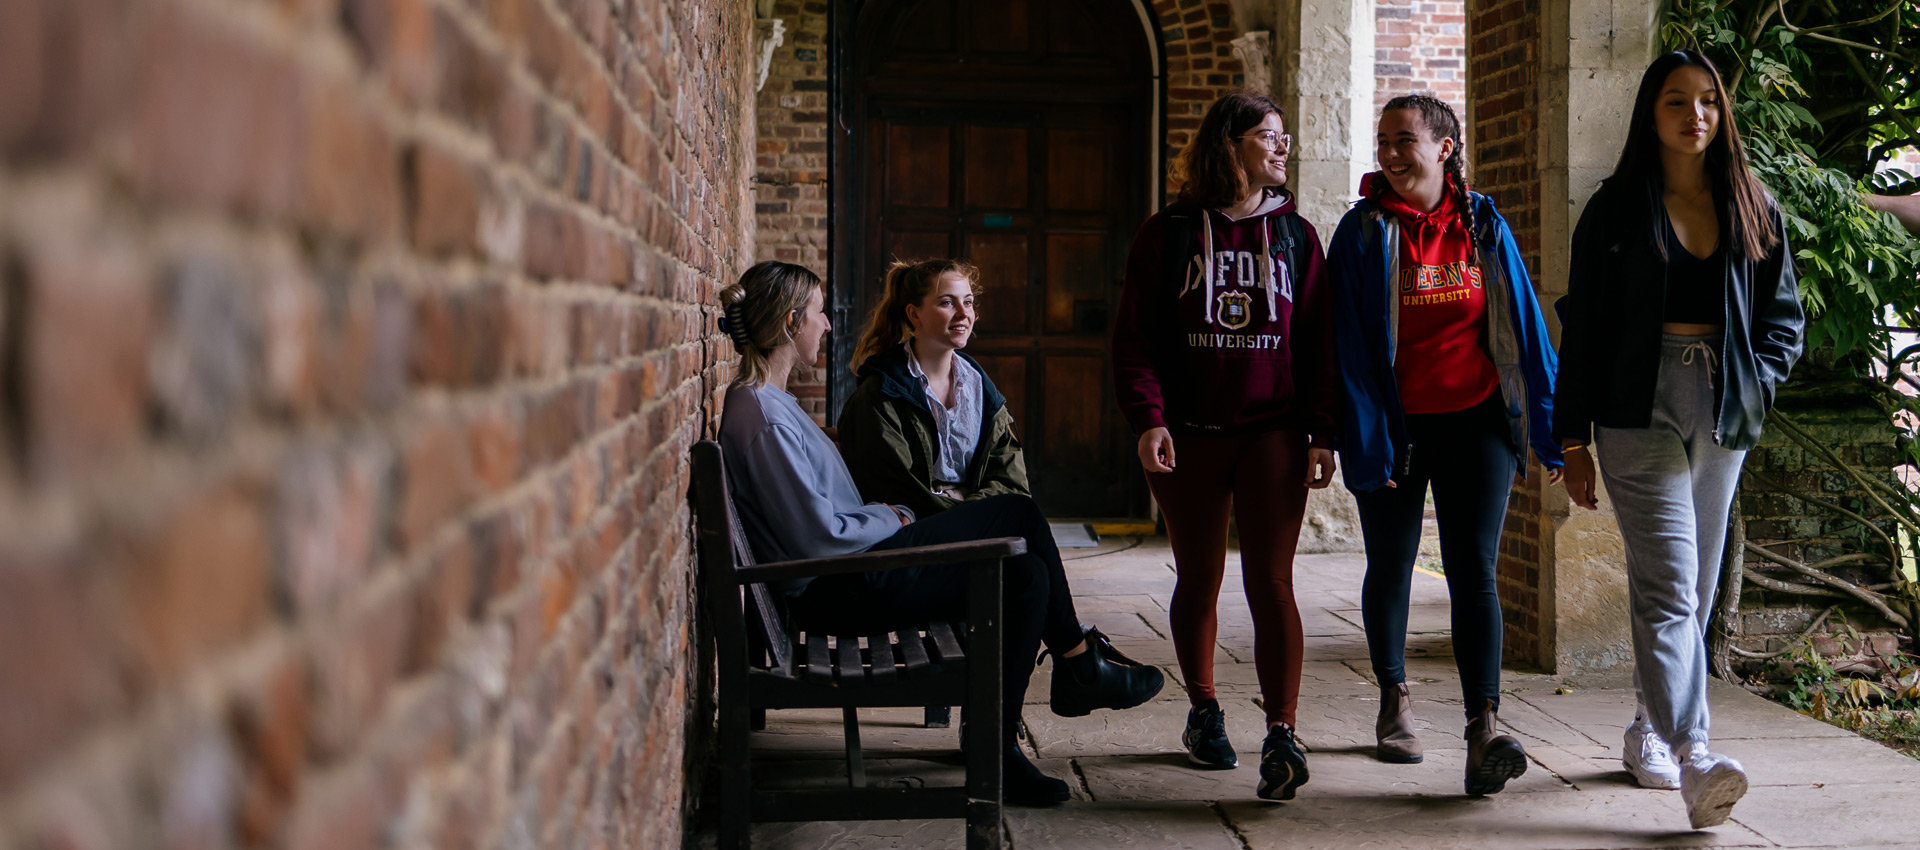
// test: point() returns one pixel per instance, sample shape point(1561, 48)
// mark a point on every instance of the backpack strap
point(1178, 241)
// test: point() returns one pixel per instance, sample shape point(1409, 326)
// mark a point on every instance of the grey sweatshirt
point(794, 494)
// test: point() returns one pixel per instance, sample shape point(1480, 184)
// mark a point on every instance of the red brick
point(270, 721)
point(60, 672)
point(352, 170)
point(198, 582)
point(437, 480)
point(444, 203)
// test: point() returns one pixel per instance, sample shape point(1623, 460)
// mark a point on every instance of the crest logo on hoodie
point(1235, 310)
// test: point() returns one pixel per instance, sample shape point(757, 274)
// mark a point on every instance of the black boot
point(1101, 678)
point(1022, 783)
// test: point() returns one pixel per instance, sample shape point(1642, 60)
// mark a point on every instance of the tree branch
point(1878, 602)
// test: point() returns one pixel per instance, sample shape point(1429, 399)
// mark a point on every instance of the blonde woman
point(797, 500)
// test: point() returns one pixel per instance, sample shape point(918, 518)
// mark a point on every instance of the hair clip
point(734, 324)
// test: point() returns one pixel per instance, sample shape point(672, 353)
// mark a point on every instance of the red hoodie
point(1439, 359)
point(1245, 350)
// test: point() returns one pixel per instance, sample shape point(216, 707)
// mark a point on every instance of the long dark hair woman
point(1448, 379)
point(797, 500)
point(1221, 348)
point(1682, 316)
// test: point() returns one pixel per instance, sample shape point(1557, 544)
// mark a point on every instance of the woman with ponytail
point(1682, 316)
point(1221, 352)
point(926, 427)
point(797, 500)
point(1448, 379)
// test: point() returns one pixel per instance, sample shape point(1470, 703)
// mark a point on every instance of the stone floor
point(1813, 785)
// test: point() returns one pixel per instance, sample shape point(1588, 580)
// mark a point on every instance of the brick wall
point(1504, 64)
point(1420, 47)
point(790, 162)
point(349, 355)
point(1856, 429)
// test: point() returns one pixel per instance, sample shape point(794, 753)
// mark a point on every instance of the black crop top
point(1696, 287)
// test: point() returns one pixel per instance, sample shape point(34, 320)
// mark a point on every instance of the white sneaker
point(1710, 784)
point(1649, 759)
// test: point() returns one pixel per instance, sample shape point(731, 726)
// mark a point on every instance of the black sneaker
point(1101, 678)
point(1283, 767)
point(1206, 738)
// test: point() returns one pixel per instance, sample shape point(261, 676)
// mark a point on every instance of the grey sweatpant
point(1671, 487)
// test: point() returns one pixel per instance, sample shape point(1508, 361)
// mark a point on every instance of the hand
point(1580, 479)
point(901, 514)
point(1156, 444)
point(1554, 474)
point(1320, 467)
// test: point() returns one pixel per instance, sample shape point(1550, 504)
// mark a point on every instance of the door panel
point(996, 167)
point(1002, 260)
point(1077, 277)
point(918, 165)
point(1024, 150)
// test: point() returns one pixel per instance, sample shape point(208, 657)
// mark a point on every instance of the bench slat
point(846, 655)
point(913, 651)
point(945, 645)
point(881, 659)
point(819, 670)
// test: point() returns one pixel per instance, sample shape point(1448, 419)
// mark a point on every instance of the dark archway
point(1018, 135)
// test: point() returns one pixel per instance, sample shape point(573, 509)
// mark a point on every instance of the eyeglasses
point(1270, 140)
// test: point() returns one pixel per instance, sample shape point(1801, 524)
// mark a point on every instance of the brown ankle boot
point(1394, 729)
point(1492, 758)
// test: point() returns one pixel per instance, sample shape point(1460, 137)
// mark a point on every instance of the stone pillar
point(1325, 51)
point(1592, 55)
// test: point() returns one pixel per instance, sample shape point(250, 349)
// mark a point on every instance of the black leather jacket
point(1610, 324)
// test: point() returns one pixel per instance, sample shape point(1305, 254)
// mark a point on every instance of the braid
point(1443, 123)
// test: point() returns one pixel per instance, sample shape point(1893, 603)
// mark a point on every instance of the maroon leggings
point(1262, 477)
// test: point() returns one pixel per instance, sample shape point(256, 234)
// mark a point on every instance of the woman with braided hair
point(1447, 378)
point(797, 500)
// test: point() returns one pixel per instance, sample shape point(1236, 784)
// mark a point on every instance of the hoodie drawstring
point(1268, 280)
point(1206, 263)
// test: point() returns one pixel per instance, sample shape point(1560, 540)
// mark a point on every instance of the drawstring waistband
point(1702, 348)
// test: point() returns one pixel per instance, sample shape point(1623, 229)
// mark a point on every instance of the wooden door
point(1033, 165)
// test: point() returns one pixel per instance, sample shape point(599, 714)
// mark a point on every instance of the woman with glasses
point(1682, 315)
point(1223, 367)
point(1448, 378)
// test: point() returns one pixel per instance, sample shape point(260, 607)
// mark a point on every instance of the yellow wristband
point(1565, 449)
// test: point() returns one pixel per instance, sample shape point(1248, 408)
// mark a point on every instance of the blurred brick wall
point(350, 351)
point(1504, 65)
point(1420, 47)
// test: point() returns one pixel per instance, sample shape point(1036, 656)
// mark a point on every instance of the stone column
point(1325, 51)
point(1592, 55)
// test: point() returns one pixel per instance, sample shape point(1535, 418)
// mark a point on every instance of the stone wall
point(350, 352)
point(1860, 434)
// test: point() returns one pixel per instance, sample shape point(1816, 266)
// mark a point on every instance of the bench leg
point(736, 800)
point(984, 768)
point(939, 716)
point(856, 769)
point(758, 720)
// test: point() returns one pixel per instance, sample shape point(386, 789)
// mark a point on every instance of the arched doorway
point(1017, 135)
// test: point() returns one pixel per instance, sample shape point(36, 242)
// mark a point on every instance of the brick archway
point(1196, 38)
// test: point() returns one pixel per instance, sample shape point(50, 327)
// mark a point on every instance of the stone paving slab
point(1571, 821)
point(1815, 785)
point(1834, 815)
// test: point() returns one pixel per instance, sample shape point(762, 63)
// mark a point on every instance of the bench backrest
point(723, 549)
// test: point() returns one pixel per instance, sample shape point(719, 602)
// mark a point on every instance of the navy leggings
point(1468, 458)
point(1036, 603)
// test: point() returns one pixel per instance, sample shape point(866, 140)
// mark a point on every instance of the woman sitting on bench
point(926, 428)
point(797, 500)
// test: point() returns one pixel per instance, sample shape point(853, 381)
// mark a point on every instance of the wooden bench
point(765, 664)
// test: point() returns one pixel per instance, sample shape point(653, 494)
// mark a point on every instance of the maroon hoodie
point(1233, 344)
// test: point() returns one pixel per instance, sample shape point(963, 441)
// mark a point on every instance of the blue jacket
point(1362, 258)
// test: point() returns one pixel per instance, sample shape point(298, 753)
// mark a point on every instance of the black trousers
point(1036, 604)
point(1468, 457)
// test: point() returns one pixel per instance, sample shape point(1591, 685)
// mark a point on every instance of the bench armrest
point(971, 551)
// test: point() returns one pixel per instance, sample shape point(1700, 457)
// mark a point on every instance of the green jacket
point(888, 438)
